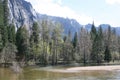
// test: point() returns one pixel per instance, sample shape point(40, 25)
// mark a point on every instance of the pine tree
point(113, 44)
point(1, 41)
point(100, 46)
point(75, 40)
point(45, 41)
point(93, 32)
point(71, 55)
point(1, 13)
point(22, 42)
point(35, 33)
point(4, 21)
point(11, 33)
point(94, 36)
point(6, 12)
point(56, 42)
point(4, 32)
point(109, 32)
point(68, 48)
point(107, 56)
point(119, 46)
point(34, 40)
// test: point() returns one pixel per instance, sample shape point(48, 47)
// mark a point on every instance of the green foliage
point(22, 42)
point(97, 45)
point(4, 35)
point(1, 40)
point(35, 33)
point(3, 22)
point(48, 45)
point(34, 40)
point(75, 40)
point(56, 42)
point(45, 41)
point(6, 12)
point(94, 54)
point(93, 32)
point(11, 33)
point(107, 56)
point(68, 48)
point(109, 36)
point(94, 43)
point(100, 46)
point(1, 43)
point(8, 53)
point(1, 13)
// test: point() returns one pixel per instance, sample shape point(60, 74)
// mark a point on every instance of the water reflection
point(46, 74)
point(7, 74)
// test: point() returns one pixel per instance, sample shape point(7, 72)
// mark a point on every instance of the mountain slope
point(68, 24)
point(22, 13)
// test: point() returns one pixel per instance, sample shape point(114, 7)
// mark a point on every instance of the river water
point(48, 73)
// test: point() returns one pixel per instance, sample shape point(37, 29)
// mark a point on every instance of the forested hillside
point(46, 44)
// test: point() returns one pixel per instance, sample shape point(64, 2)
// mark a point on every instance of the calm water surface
point(46, 73)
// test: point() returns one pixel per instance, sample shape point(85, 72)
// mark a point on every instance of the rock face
point(21, 13)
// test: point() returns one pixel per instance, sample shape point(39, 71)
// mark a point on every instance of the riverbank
point(89, 68)
point(114, 67)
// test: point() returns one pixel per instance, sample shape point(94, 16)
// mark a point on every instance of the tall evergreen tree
point(22, 42)
point(109, 32)
point(45, 41)
point(75, 40)
point(107, 56)
point(1, 13)
point(1, 40)
point(100, 46)
point(6, 12)
point(56, 41)
point(93, 32)
point(4, 20)
point(114, 44)
point(68, 48)
point(94, 35)
point(34, 40)
point(35, 33)
point(4, 35)
point(11, 33)
point(119, 46)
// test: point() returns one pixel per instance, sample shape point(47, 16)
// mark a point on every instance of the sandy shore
point(89, 68)
point(116, 67)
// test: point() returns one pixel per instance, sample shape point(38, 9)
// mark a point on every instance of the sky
point(84, 11)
